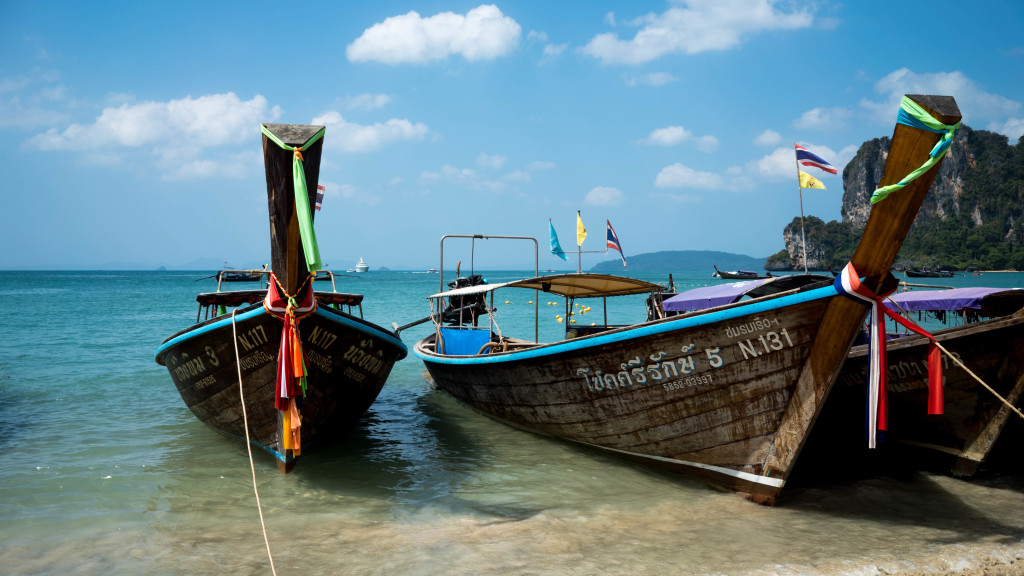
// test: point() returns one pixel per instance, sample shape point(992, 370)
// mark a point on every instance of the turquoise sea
point(104, 470)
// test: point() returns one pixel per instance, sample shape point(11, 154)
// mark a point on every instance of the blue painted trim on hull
point(630, 334)
point(257, 311)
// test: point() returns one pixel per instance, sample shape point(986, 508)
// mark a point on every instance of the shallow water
point(106, 471)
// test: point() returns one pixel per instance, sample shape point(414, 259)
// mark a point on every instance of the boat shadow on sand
point(890, 487)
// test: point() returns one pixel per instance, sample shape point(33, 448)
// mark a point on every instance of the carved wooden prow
point(887, 227)
point(287, 259)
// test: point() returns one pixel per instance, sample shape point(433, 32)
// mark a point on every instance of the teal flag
point(556, 248)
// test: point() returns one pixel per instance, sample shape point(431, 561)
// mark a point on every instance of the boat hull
point(705, 395)
point(973, 417)
point(348, 361)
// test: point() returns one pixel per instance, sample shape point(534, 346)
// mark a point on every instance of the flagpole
point(803, 237)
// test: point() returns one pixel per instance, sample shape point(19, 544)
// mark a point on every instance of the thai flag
point(808, 158)
point(613, 242)
point(319, 195)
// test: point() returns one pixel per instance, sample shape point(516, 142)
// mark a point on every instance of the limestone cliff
point(970, 217)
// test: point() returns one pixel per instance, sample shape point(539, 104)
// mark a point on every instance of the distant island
point(677, 260)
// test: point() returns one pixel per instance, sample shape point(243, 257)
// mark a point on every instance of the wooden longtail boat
point(346, 359)
point(727, 395)
point(989, 342)
point(986, 333)
point(738, 275)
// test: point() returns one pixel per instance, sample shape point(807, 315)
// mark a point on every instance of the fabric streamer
point(291, 364)
point(309, 245)
point(911, 114)
point(848, 283)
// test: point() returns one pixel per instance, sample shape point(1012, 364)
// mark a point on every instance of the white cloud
point(178, 133)
point(466, 177)
point(822, 119)
point(781, 163)
point(609, 19)
point(195, 124)
point(534, 35)
point(603, 196)
point(669, 136)
point(366, 101)
point(351, 137)
point(517, 176)
point(552, 50)
point(680, 176)
point(976, 105)
point(768, 138)
point(496, 161)
point(694, 26)
point(540, 165)
point(348, 193)
point(673, 135)
point(652, 79)
point(707, 143)
point(484, 33)
point(1012, 128)
point(236, 166)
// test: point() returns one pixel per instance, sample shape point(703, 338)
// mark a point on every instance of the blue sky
point(133, 128)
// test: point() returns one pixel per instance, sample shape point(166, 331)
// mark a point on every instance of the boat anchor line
point(248, 443)
point(747, 476)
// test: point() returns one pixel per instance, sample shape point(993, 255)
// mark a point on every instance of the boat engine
point(462, 310)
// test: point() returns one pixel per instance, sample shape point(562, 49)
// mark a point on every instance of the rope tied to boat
point(248, 441)
point(291, 362)
point(913, 115)
point(848, 284)
point(309, 245)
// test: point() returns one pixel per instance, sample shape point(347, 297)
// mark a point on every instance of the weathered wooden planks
point(728, 395)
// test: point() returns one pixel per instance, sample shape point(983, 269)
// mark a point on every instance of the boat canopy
point(722, 294)
point(240, 297)
point(568, 285)
point(990, 301)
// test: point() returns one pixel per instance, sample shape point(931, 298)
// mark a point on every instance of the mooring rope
point(966, 369)
point(248, 444)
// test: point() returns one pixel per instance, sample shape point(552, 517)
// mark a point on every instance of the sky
point(133, 140)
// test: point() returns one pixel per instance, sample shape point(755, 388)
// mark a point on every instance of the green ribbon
point(306, 232)
point(913, 115)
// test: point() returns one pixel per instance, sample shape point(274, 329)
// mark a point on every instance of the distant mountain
point(675, 260)
point(971, 218)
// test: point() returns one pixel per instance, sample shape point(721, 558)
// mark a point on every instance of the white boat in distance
point(362, 266)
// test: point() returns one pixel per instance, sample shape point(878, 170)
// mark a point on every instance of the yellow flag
point(808, 181)
point(581, 232)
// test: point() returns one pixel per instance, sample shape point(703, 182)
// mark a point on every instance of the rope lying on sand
point(245, 421)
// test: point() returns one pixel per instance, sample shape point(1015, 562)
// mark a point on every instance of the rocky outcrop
point(862, 175)
point(815, 251)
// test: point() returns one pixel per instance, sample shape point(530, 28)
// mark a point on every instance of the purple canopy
point(954, 299)
point(711, 296)
point(721, 294)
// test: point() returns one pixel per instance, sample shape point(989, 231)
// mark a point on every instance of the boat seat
point(463, 341)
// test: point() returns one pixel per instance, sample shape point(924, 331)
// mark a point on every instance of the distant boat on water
point(738, 275)
point(362, 266)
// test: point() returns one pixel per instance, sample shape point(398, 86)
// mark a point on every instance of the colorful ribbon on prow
point(913, 115)
point(848, 283)
point(310, 247)
point(291, 363)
